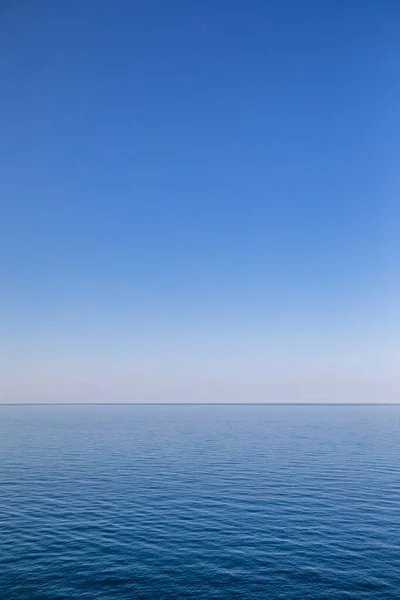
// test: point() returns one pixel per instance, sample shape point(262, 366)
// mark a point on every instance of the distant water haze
point(204, 368)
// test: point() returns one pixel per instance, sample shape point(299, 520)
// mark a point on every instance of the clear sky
point(199, 200)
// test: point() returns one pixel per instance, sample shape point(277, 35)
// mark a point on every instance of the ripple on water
point(221, 502)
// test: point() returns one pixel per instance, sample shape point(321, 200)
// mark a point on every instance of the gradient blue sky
point(199, 200)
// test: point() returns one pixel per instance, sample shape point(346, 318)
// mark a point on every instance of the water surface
point(204, 502)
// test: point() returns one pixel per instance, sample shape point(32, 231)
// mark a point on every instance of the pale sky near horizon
point(200, 201)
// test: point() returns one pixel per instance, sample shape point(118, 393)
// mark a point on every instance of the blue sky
point(199, 200)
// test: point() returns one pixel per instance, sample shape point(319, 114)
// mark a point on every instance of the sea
point(170, 502)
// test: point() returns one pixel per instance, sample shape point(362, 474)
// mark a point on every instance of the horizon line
point(199, 403)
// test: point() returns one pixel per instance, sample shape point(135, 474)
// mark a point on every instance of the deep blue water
point(224, 502)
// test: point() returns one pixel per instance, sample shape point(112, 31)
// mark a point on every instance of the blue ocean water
point(213, 502)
